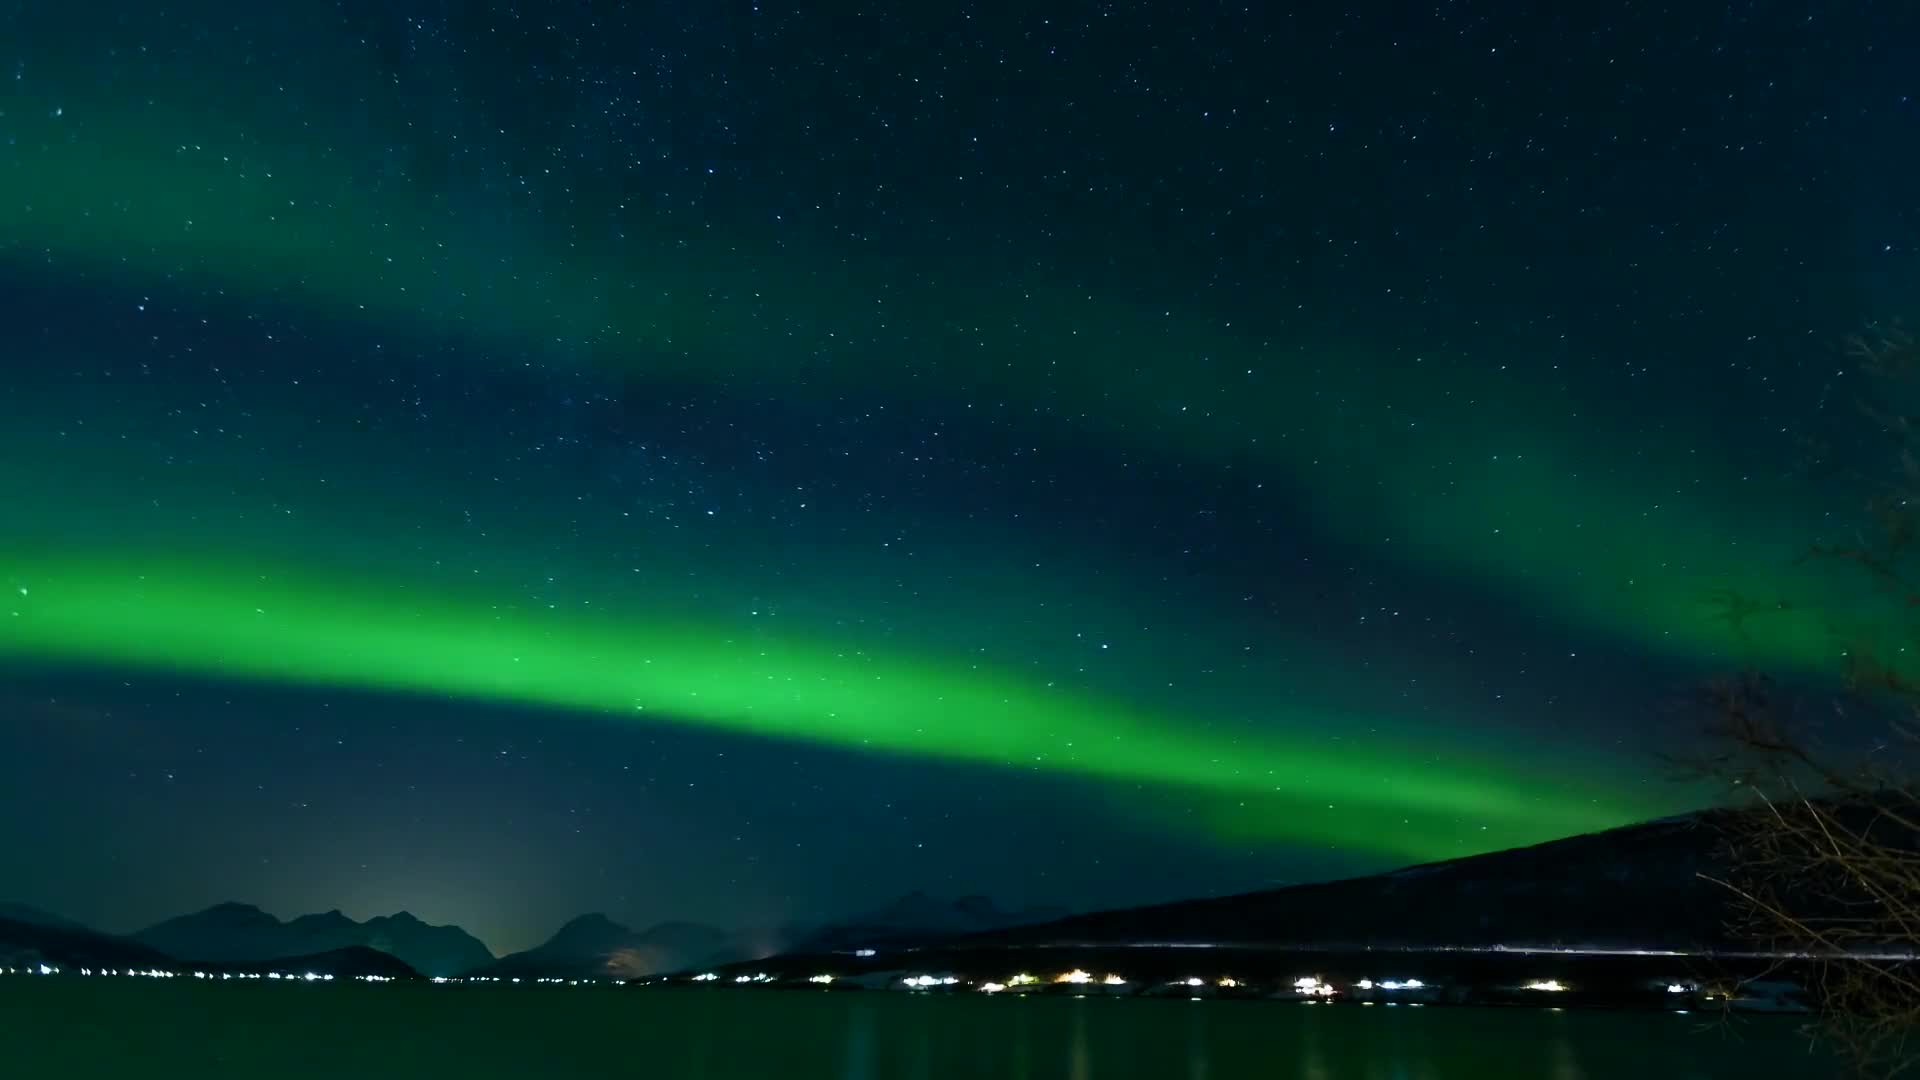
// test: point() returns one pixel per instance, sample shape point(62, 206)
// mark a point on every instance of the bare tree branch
point(1823, 847)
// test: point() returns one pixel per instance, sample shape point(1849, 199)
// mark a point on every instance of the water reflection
point(860, 1043)
point(1196, 1043)
point(753, 1035)
point(885, 1036)
point(1079, 1054)
point(1022, 1044)
point(1564, 1065)
point(922, 1035)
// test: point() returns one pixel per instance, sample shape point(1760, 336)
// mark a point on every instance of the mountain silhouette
point(68, 945)
point(1636, 887)
point(596, 947)
point(920, 917)
point(242, 933)
point(33, 916)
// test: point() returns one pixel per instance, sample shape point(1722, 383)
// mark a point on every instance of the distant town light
point(1228, 983)
point(992, 987)
point(1365, 984)
point(1196, 981)
point(1549, 985)
point(1075, 976)
point(1676, 988)
point(822, 979)
point(1022, 979)
point(1113, 980)
point(1409, 984)
point(863, 952)
point(705, 976)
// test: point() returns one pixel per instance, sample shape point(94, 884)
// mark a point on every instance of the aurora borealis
point(751, 459)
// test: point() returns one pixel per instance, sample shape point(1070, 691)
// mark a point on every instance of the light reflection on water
point(1084, 1039)
point(860, 1048)
point(1565, 1066)
point(1079, 1052)
point(1196, 1042)
point(215, 1031)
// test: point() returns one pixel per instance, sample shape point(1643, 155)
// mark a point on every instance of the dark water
point(94, 1027)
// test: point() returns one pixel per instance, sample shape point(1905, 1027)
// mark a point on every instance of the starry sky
point(748, 460)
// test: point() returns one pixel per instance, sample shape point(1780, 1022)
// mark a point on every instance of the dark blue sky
point(1374, 402)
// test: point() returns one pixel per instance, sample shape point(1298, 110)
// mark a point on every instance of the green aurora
point(167, 182)
point(1488, 489)
point(271, 625)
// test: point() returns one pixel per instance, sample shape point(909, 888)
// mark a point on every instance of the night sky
point(744, 461)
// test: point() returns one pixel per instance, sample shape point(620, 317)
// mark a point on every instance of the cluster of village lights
point(1310, 987)
point(280, 976)
point(441, 980)
point(155, 973)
